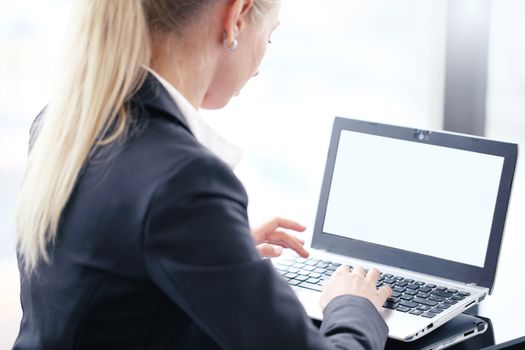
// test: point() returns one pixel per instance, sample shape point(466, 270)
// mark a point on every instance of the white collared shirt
point(203, 132)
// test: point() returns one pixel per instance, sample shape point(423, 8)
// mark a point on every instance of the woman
point(132, 233)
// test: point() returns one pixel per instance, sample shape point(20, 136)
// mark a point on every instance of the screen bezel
point(481, 276)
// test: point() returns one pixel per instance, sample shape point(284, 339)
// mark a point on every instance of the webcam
point(422, 135)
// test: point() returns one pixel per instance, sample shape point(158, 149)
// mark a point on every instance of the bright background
point(380, 60)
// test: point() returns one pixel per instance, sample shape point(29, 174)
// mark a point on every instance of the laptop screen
point(413, 196)
point(426, 201)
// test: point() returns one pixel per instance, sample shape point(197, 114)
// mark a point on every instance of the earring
point(230, 45)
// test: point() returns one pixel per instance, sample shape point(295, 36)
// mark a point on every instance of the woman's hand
point(270, 239)
point(355, 282)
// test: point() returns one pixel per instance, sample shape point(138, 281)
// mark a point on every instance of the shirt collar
point(203, 132)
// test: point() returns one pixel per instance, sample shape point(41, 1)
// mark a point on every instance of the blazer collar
point(154, 96)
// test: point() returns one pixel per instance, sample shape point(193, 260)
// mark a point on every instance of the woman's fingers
point(385, 292)
point(289, 241)
point(342, 269)
point(358, 270)
point(373, 275)
point(355, 282)
point(269, 250)
point(270, 233)
point(276, 223)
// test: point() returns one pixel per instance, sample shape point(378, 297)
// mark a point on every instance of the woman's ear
point(237, 14)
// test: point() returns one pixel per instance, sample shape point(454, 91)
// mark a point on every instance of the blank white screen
point(413, 196)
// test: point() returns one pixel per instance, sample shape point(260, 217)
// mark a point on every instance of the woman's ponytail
point(104, 63)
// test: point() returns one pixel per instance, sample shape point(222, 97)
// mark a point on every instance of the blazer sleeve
point(199, 251)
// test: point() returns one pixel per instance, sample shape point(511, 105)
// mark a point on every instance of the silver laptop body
point(425, 206)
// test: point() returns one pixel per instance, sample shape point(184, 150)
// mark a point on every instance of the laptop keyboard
point(408, 295)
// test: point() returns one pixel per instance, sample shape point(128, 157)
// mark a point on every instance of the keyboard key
point(300, 260)
point(313, 280)
point(450, 302)
point(303, 272)
point(403, 308)
point(315, 275)
point(408, 304)
point(389, 275)
point(396, 294)
point(424, 301)
point(431, 286)
point(329, 273)
point(294, 282)
point(441, 289)
point(436, 310)
point(420, 283)
point(310, 286)
point(298, 265)
point(416, 312)
point(423, 295)
point(401, 283)
point(441, 294)
point(399, 289)
point(392, 300)
point(453, 291)
point(465, 294)
point(436, 298)
point(423, 307)
point(457, 297)
point(290, 275)
point(389, 280)
point(301, 278)
point(407, 297)
point(443, 306)
point(428, 315)
point(320, 270)
point(413, 286)
point(392, 306)
point(425, 289)
point(311, 263)
point(292, 270)
point(411, 292)
point(308, 268)
point(332, 267)
point(322, 265)
point(399, 278)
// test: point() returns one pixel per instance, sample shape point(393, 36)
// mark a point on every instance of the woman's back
point(98, 289)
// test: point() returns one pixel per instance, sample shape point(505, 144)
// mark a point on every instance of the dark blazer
point(154, 252)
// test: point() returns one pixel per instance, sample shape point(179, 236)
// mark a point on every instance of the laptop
point(426, 208)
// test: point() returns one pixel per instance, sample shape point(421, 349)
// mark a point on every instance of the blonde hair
point(109, 46)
